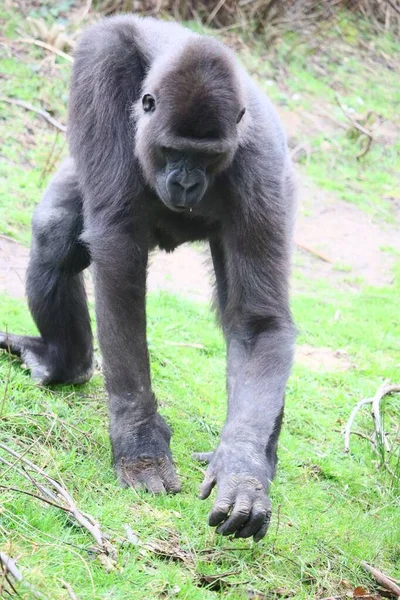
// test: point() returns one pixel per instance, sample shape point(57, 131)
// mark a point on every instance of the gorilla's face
point(179, 162)
point(187, 123)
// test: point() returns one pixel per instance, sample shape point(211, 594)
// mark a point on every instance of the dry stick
point(314, 252)
point(387, 582)
point(48, 47)
point(10, 567)
point(384, 390)
point(39, 111)
point(83, 519)
point(393, 5)
point(214, 12)
point(14, 489)
point(185, 345)
point(69, 589)
point(357, 126)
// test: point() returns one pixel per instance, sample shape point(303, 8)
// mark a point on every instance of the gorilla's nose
point(186, 188)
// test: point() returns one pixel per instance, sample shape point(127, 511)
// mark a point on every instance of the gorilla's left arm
point(252, 269)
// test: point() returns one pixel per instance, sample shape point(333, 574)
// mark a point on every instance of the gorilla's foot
point(153, 474)
point(143, 459)
point(38, 359)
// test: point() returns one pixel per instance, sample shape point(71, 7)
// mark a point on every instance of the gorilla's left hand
point(242, 506)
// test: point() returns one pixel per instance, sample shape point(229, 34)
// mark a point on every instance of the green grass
point(305, 73)
point(331, 510)
point(334, 510)
point(290, 72)
point(30, 148)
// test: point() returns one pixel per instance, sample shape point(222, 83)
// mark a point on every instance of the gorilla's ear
point(240, 115)
point(148, 103)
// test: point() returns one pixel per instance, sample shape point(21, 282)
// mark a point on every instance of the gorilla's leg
point(55, 289)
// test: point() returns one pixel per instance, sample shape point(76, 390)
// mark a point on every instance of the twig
point(185, 345)
point(8, 376)
point(46, 46)
point(278, 522)
point(86, 9)
point(359, 128)
point(375, 401)
point(13, 489)
point(387, 582)
point(359, 433)
point(9, 566)
point(302, 146)
point(314, 252)
point(214, 12)
point(69, 589)
point(38, 111)
point(83, 519)
point(393, 5)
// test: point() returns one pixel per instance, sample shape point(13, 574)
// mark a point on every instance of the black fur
point(202, 156)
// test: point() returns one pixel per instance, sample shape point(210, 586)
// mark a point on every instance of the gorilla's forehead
point(200, 93)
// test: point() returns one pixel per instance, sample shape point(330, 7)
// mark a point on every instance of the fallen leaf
point(359, 591)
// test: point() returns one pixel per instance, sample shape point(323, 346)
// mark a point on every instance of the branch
point(384, 580)
point(69, 589)
point(395, 8)
point(9, 567)
point(46, 46)
point(85, 520)
point(375, 401)
point(38, 111)
point(14, 489)
point(322, 257)
point(357, 126)
point(185, 345)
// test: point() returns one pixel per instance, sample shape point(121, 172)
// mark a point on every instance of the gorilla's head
point(188, 122)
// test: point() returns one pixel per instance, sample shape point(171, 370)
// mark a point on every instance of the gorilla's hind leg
point(55, 289)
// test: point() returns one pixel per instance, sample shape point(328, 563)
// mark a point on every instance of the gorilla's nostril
point(192, 187)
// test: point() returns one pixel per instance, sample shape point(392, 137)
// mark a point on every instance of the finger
point(207, 485)
point(255, 522)
point(222, 506)
point(204, 457)
point(261, 533)
point(152, 482)
point(238, 517)
point(170, 478)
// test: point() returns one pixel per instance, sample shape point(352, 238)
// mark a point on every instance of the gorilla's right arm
point(108, 73)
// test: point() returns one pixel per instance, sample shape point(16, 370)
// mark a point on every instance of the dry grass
point(262, 14)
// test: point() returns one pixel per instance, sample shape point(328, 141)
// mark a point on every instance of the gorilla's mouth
point(178, 209)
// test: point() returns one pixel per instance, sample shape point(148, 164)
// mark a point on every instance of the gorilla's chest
point(168, 229)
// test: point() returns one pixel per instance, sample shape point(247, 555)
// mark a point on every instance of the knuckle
point(242, 510)
point(221, 507)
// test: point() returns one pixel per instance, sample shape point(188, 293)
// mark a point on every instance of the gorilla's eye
point(148, 103)
point(240, 115)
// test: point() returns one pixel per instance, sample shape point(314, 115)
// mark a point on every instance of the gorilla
point(170, 142)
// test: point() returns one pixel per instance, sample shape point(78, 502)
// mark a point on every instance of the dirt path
point(337, 230)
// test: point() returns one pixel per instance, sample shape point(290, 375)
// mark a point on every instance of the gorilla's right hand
point(142, 456)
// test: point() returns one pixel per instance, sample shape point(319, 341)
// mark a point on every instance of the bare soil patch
point(338, 231)
point(345, 235)
point(323, 359)
point(13, 263)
